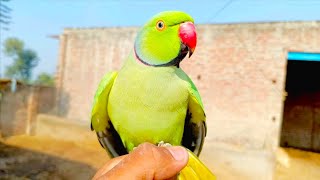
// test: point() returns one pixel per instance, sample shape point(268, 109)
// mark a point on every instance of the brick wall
point(18, 110)
point(13, 111)
point(85, 56)
point(239, 70)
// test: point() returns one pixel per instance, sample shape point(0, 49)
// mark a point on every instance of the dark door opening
point(301, 116)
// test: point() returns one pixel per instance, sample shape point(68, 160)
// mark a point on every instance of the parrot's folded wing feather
point(195, 126)
point(99, 115)
point(195, 169)
point(100, 121)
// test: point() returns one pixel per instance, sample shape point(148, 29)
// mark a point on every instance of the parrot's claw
point(163, 144)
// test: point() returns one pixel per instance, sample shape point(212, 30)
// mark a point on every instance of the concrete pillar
point(32, 111)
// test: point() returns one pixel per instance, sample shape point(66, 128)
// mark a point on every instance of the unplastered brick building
point(253, 93)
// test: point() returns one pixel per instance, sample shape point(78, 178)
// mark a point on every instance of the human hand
point(147, 161)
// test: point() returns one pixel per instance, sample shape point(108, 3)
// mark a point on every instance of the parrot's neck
point(138, 60)
point(174, 62)
point(134, 63)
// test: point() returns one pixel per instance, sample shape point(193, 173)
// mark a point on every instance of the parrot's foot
point(163, 144)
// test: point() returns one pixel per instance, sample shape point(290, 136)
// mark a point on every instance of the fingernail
point(178, 153)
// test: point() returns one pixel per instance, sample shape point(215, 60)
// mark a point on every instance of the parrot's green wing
point(193, 138)
point(195, 126)
point(100, 121)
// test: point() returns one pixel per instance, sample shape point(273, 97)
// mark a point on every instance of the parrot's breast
point(148, 104)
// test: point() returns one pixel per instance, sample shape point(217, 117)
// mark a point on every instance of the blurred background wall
point(239, 69)
point(19, 109)
point(254, 97)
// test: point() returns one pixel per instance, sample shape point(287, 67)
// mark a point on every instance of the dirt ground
point(26, 157)
point(297, 164)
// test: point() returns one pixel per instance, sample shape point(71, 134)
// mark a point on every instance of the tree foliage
point(44, 79)
point(13, 46)
point(24, 60)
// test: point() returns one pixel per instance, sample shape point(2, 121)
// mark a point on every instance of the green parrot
point(151, 99)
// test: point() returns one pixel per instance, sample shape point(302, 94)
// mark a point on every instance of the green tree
point(24, 59)
point(44, 79)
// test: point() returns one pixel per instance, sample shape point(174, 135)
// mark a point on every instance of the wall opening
point(301, 116)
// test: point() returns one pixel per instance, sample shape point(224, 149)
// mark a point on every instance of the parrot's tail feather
point(188, 173)
point(195, 169)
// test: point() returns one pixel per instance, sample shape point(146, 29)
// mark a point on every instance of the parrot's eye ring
point(160, 25)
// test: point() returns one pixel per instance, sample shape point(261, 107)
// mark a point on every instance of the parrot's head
point(166, 39)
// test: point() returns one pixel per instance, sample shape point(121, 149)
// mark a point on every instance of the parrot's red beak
point(188, 36)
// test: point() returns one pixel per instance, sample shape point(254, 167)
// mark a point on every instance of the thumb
point(167, 161)
point(148, 161)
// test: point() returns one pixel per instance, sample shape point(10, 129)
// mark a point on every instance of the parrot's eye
point(160, 25)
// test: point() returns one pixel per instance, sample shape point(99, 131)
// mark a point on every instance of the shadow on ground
point(20, 163)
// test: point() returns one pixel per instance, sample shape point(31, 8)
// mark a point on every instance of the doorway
point(301, 116)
